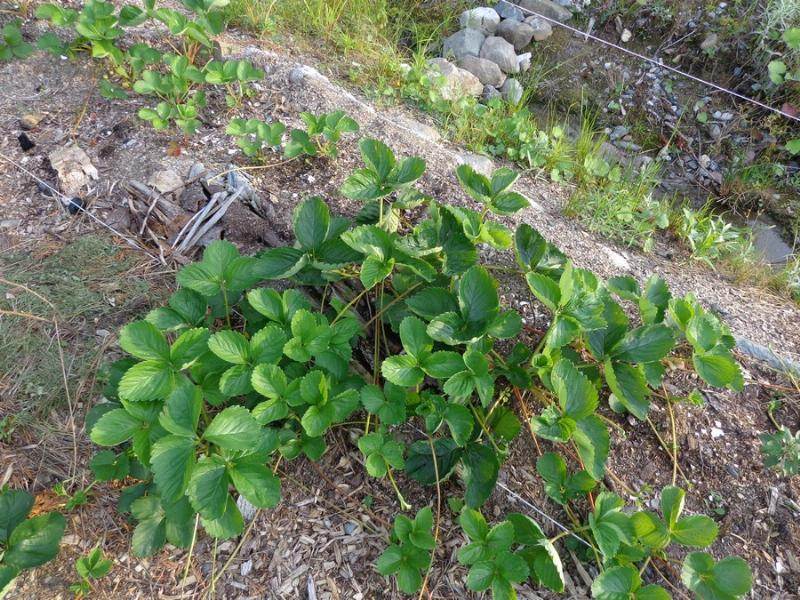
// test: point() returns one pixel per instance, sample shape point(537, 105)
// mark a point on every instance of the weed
point(711, 238)
point(624, 210)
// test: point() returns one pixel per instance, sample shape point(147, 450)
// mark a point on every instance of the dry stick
point(251, 168)
point(191, 551)
point(211, 591)
point(438, 519)
point(15, 313)
point(207, 225)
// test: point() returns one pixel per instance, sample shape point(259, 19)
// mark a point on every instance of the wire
point(658, 63)
point(530, 505)
point(69, 202)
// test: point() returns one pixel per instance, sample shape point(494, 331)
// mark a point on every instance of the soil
point(333, 520)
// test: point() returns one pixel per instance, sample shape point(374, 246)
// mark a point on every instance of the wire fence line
point(587, 35)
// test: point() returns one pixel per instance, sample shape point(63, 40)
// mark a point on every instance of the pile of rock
point(481, 57)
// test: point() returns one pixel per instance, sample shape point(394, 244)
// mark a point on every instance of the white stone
point(483, 19)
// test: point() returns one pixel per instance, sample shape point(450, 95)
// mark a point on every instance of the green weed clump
point(232, 376)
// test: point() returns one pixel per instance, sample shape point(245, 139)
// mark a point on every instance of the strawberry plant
point(92, 566)
point(781, 451)
point(25, 542)
point(233, 376)
point(12, 44)
point(234, 75)
point(97, 25)
point(321, 135)
point(409, 556)
point(255, 137)
point(180, 100)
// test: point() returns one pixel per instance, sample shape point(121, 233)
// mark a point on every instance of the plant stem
point(348, 305)
point(438, 516)
point(674, 443)
point(667, 450)
point(191, 551)
point(485, 429)
point(403, 504)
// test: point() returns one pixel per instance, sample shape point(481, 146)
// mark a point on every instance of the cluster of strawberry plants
point(258, 138)
point(396, 315)
point(175, 79)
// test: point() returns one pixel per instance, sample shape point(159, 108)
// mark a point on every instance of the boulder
point(500, 52)
point(485, 70)
point(457, 82)
point(524, 62)
point(483, 19)
point(541, 28)
point(512, 91)
point(490, 93)
point(507, 10)
point(461, 43)
point(549, 9)
point(480, 162)
point(515, 33)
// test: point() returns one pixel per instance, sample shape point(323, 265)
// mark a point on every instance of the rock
point(619, 132)
point(626, 36)
point(457, 82)
point(541, 28)
point(75, 205)
point(30, 120)
point(546, 8)
point(500, 52)
point(524, 62)
point(350, 528)
point(485, 70)
point(482, 164)
point(512, 91)
point(193, 198)
point(490, 93)
point(74, 168)
point(483, 19)
point(166, 182)
point(301, 73)
point(246, 567)
point(710, 42)
point(715, 131)
point(506, 10)
point(25, 143)
point(461, 43)
point(618, 261)
point(515, 33)
point(421, 130)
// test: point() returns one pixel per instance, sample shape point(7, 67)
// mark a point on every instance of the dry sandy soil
point(333, 520)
